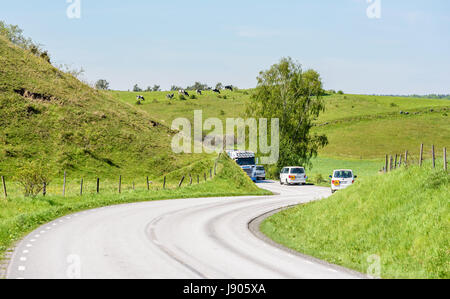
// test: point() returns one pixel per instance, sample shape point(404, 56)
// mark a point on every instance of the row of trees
point(102, 84)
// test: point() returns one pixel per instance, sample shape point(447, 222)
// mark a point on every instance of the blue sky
point(169, 42)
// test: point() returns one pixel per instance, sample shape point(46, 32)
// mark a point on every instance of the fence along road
point(187, 238)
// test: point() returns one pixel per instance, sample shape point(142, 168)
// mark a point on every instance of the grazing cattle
point(181, 91)
point(186, 93)
point(140, 98)
point(199, 92)
point(170, 96)
point(216, 90)
point(229, 87)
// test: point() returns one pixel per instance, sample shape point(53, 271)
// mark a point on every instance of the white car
point(260, 173)
point(341, 179)
point(293, 175)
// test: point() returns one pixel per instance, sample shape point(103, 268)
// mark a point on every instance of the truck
point(246, 160)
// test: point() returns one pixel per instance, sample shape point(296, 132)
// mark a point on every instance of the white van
point(293, 175)
point(341, 179)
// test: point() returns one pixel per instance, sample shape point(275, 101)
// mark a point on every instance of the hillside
point(404, 221)
point(348, 121)
point(50, 116)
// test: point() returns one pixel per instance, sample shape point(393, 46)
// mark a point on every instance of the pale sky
point(405, 51)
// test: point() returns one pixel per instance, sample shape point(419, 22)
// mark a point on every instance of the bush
point(182, 98)
point(193, 97)
point(32, 177)
point(340, 92)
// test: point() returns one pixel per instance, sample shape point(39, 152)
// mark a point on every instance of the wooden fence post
point(64, 184)
point(210, 173)
point(215, 168)
point(198, 179)
point(44, 189)
point(181, 182)
point(120, 184)
point(81, 188)
point(434, 156)
point(190, 179)
point(148, 185)
point(395, 164)
point(205, 176)
point(391, 162)
point(421, 155)
point(164, 184)
point(445, 158)
point(406, 158)
point(400, 162)
point(4, 187)
point(98, 185)
point(386, 169)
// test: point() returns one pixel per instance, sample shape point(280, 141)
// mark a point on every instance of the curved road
point(187, 238)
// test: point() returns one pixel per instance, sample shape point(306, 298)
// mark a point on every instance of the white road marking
point(37, 236)
point(32, 240)
point(21, 268)
point(25, 251)
point(23, 259)
point(29, 245)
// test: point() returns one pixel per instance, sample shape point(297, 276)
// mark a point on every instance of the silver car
point(260, 173)
point(341, 179)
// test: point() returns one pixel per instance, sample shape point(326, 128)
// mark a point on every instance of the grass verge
point(402, 218)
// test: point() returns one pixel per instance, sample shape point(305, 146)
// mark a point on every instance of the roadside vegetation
point(402, 217)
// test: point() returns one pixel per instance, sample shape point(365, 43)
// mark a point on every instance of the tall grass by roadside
point(402, 217)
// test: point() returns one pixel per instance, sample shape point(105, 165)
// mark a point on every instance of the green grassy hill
point(361, 129)
point(48, 115)
point(403, 218)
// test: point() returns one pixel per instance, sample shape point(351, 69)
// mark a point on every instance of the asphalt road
point(187, 238)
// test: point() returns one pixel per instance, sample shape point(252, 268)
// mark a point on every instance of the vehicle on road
point(260, 173)
point(246, 160)
point(293, 176)
point(341, 179)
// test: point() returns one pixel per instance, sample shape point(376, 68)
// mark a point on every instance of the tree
point(136, 88)
point(156, 88)
point(219, 86)
point(102, 84)
point(198, 86)
point(294, 97)
point(175, 88)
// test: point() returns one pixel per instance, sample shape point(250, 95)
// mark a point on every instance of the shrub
point(32, 177)
point(193, 97)
point(182, 98)
point(394, 105)
point(340, 92)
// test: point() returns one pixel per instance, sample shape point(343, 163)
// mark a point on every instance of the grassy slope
point(404, 220)
point(86, 132)
point(20, 216)
point(349, 118)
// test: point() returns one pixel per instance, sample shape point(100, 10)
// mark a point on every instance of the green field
point(403, 218)
point(347, 121)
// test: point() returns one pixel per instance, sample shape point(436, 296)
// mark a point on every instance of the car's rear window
point(297, 170)
point(343, 174)
point(260, 168)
